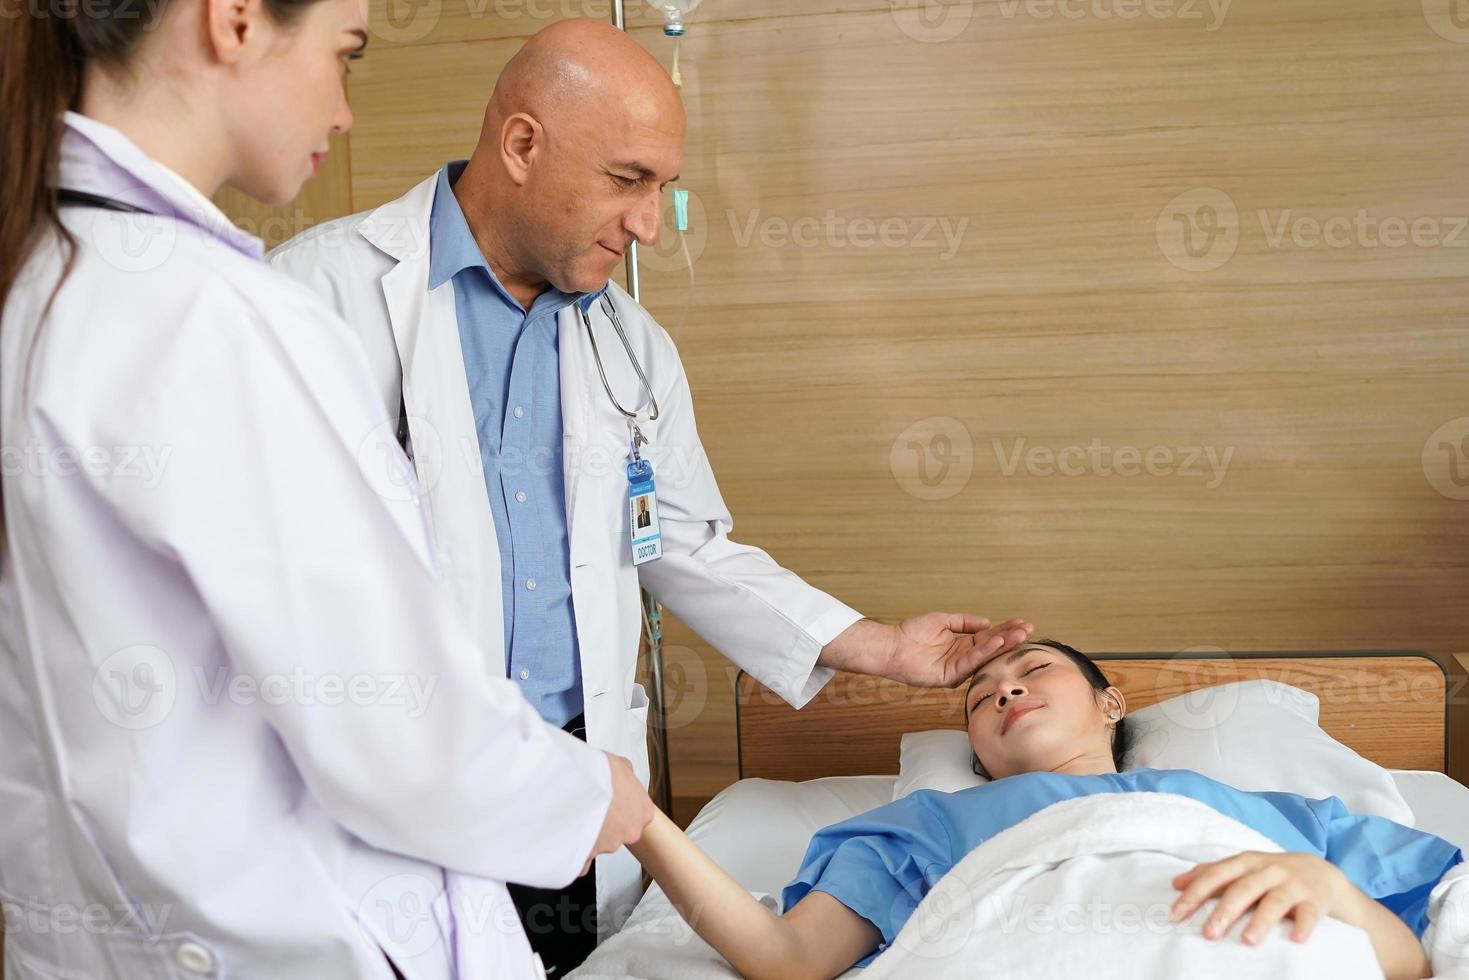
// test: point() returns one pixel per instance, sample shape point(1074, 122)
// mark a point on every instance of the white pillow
point(939, 759)
point(1256, 736)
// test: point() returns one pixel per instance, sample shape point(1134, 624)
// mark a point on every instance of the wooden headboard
point(1391, 707)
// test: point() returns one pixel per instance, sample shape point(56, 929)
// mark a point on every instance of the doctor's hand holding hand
point(628, 815)
point(933, 650)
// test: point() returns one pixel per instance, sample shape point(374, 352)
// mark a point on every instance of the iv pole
point(652, 609)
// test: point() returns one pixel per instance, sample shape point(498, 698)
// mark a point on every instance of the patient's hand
point(1303, 887)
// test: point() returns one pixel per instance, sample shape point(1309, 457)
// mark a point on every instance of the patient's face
point(1033, 710)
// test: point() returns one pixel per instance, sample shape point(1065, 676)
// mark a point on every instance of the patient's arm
point(818, 938)
point(1398, 951)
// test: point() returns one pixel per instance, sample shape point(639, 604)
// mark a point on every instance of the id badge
point(642, 509)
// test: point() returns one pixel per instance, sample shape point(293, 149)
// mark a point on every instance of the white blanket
point(1081, 889)
point(1084, 889)
point(1447, 936)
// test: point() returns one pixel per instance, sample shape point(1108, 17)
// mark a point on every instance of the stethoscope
point(67, 195)
point(638, 439)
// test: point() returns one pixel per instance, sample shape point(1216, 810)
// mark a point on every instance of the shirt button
point(194, 958)
point(530, 584)
point(524, 674)
point(520, 497)
point(519, 412)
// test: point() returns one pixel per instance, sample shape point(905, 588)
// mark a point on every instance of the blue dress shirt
point(512, 366)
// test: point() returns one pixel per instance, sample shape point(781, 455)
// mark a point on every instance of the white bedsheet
point(758, 831)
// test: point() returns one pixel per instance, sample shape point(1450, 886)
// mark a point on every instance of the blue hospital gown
point(882, 863)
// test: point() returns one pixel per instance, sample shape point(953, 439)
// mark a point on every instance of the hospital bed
point(837, 757)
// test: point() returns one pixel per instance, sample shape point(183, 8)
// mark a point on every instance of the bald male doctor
point(483, 300)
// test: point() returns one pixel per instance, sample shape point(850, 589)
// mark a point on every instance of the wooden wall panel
point(838, 341)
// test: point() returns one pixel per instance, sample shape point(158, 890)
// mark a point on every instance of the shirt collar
point(453, 248)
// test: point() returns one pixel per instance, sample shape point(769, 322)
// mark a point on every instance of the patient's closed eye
point(983, 698)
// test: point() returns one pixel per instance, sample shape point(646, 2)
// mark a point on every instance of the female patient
point(1046, 726)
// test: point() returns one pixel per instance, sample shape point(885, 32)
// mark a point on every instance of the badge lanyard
point(642, 491)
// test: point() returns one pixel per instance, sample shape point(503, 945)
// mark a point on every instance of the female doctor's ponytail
point(40, 71)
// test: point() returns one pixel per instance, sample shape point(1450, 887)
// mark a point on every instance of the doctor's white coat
point(244, 733)
point(373, 268)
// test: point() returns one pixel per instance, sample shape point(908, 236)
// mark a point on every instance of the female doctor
point(243, 732)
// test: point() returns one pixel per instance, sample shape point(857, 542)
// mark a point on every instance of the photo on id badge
point(643, 517)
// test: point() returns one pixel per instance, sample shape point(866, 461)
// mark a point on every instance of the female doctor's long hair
point(45, 46)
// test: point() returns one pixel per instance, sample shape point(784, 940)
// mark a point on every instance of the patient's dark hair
point(1121, 735)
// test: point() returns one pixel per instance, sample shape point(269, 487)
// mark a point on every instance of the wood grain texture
point(1390, 709)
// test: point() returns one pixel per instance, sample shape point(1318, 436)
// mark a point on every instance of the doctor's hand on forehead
point(935, 649)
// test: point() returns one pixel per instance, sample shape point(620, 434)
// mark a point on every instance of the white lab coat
point(159, 816)
point(373, 267)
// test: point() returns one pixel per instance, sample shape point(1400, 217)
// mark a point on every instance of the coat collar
point(99, 159)
point(400, 228)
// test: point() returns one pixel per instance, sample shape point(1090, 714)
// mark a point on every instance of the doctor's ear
point(521, 141)
point(230, 27)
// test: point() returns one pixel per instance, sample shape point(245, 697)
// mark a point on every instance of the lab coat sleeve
point(760, 615)
point(286, 508)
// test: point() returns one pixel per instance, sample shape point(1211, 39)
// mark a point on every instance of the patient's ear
point(1118, 705)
